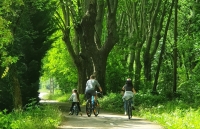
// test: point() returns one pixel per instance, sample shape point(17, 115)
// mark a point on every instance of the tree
point(26, 49)
point(163, 47)
point(89, 49)
point(175, 45)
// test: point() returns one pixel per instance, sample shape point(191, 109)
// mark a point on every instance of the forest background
point(59, 44)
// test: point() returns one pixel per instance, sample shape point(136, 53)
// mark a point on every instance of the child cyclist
point(75, 100)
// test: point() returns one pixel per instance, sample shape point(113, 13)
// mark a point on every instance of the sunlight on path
point(43, 100)
point(106, 121)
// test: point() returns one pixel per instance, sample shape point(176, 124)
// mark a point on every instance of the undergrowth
point(174, 114)
point(33, 118)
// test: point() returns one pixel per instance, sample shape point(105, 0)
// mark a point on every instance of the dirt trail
point(105, 120)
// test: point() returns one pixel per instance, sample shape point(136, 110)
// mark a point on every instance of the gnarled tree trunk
point(91, 55)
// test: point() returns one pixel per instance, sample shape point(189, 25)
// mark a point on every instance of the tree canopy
point(61, 43)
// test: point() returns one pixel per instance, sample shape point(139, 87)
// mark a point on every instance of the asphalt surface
point(105, 120)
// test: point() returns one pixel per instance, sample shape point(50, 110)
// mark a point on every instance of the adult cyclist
point(129, 92)
point(90, 89)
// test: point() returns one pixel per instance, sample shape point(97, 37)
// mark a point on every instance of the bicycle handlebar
point(100, 94)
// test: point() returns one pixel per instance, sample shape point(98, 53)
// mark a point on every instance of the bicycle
point(129, 107)
point(92, 106)
point(75, 109)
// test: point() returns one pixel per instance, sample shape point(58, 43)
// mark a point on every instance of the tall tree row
point(154, 36)
point(154, 42)
point(21, 56)
point(145, 22)
point(151, 45)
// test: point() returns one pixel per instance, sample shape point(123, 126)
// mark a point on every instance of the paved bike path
point(105, 120)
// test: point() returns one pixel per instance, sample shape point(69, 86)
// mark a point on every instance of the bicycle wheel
point(96, 108)
point(76, 111)
point(72, 111)
point(129, 110)
point(88, 108)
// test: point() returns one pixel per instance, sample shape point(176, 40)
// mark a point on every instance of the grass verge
point(36, 117)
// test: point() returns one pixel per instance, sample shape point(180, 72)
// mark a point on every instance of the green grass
point(33, 118)
point(172, 116)
point(169, 114)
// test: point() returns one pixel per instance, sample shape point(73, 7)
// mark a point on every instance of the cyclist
point(75, 100)
point(129, 92)
point(91, 85)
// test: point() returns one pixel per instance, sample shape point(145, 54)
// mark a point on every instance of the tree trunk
point(81, 79)
point(158, 36)
point(154, 90)
point(93, 53)
point(138, 66)
point(147, 55)
point(175, 46)
point(17, 98)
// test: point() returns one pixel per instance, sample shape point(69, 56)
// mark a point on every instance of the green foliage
point(190, 92)
point(172, 115)
point(149, 100)
point(116, 73)
point(5, 95)
point(58, 96)
point(60, 68)
point(176, 114)
point(112, 102)
point(30, 29)
point(34, 118)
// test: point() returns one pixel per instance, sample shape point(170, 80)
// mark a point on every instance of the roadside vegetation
point(34, 117)
point(171, 114)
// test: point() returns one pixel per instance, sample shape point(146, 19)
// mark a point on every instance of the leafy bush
point(172, 115)
point(148, 100)
point(112, 102)
point(32, 118)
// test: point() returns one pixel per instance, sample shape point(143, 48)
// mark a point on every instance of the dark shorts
point(90, 93)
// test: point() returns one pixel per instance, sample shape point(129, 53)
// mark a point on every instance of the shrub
point(33, 118)
point(112, 102)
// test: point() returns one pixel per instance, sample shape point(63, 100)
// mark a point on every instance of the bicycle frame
point(75, 109)
point(92, 107)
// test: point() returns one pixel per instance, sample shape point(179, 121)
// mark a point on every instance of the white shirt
point(127, 95)
point(74, 98)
